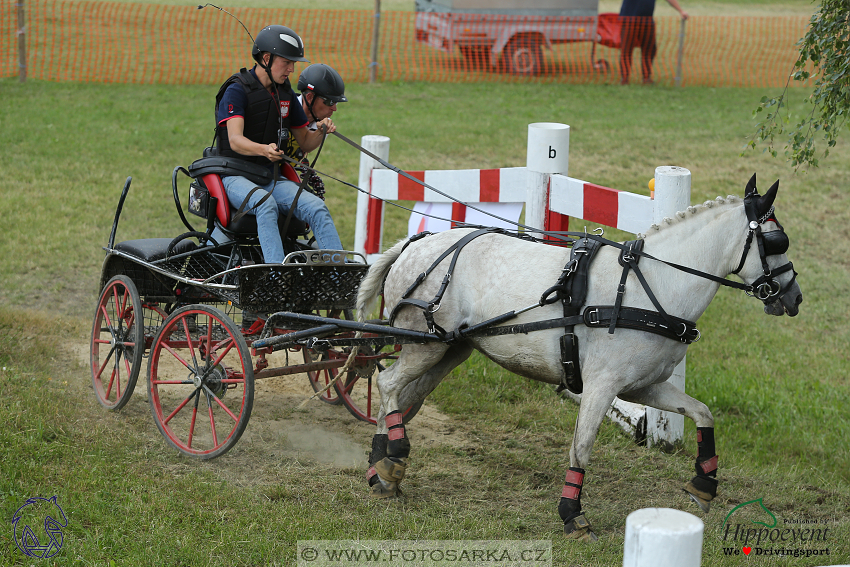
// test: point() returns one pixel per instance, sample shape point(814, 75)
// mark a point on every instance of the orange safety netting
point(153, 43)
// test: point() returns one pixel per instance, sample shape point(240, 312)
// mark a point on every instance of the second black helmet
point(324, 81)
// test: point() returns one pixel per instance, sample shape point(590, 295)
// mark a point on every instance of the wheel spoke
point(219, 402)
point(119, 305)
point(189, 341)
point(192, 425)
point(167, 347)
point(117, 373)
point(369, 398)
point(223, 354)
point(130, 321)
point(126, 363)
point(180, 407)
point(348, 385)
point(109, 387)
point(212, 422)
point(105, 362)
point(109, 326)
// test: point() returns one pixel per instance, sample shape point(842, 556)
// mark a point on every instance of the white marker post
point(380, 146)
point(663, 537)
point(548, 152)
point(672, 194)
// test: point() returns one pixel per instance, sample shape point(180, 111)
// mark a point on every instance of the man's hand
point(271, 152)
point(327, 126)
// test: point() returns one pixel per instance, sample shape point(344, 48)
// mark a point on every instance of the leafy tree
point(824, 55)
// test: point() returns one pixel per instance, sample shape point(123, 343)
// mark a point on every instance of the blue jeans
point(309, 209)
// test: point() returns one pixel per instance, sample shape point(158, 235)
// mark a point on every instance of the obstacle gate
point(549, 197)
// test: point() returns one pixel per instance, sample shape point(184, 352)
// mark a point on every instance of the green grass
point(777, 386)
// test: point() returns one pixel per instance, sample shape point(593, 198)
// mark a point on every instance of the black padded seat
point(247, 226)
point(151, 249)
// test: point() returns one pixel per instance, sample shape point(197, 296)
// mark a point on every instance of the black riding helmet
point(280, 41)
point(324, 81)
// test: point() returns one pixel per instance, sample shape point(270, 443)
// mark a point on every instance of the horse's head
point(770, 274)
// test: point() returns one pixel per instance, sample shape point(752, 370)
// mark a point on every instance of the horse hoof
point(702, 499)
point(391, 471)
point(380, 491)
point(579, 529)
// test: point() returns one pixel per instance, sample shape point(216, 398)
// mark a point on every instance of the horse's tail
point(370, 287)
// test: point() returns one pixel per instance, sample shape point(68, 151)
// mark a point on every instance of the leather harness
point(571, 290)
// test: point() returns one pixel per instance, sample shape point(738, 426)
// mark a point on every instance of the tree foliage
point(824, 56)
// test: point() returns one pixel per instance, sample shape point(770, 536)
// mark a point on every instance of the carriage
point(178, 303)
point(203, 316)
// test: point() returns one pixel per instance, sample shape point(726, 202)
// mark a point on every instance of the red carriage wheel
point(117, 343)
point(320, 379)
point(359, 390)
point(200, 381)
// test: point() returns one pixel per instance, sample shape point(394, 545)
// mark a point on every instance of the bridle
point(766, 288)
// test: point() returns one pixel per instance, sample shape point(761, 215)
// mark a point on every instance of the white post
point(663, 537)
point(548, 152)
point(380, 146)
point(672, 194)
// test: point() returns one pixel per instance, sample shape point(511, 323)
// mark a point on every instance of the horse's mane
point(691, 211)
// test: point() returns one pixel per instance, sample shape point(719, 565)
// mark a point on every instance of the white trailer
point(512, 32)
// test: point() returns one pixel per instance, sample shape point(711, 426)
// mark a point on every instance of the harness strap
point(524, 328)
point(431, 307)
point(642, 320)
point(242, 211)
point(747, 245)
point(628, 260)
point(674, 322)
point(292, 205)
point(573, 294)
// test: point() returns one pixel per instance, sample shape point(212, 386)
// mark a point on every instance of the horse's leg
point(594, 404)
point(417, 391)
point(665, 396)
point(405, 383)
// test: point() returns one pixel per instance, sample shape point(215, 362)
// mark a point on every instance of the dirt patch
point(279, 429)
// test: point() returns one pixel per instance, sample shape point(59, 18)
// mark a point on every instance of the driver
point(257, 114)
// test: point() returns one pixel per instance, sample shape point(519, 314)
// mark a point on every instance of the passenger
point(256, 115)
point(321, 88)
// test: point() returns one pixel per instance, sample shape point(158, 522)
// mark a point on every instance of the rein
point(765, 288)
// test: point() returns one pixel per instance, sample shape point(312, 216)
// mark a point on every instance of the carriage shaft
point(299, 368)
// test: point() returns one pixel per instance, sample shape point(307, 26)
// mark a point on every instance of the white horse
point(496, 273)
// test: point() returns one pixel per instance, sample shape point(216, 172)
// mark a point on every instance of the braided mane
point(691, 211)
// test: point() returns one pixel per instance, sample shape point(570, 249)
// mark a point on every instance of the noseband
point(766, 288)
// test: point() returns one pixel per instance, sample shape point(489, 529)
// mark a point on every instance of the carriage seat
point(152, 249)
point(247, 224)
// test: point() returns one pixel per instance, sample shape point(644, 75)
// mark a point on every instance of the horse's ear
point(751, 187)
point(766, 201)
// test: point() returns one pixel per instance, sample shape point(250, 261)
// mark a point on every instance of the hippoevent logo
point(39, 512)
point(756, 530)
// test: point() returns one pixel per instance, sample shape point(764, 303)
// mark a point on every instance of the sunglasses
point(327, 101)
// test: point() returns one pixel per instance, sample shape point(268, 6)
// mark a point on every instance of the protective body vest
point(263, 122)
